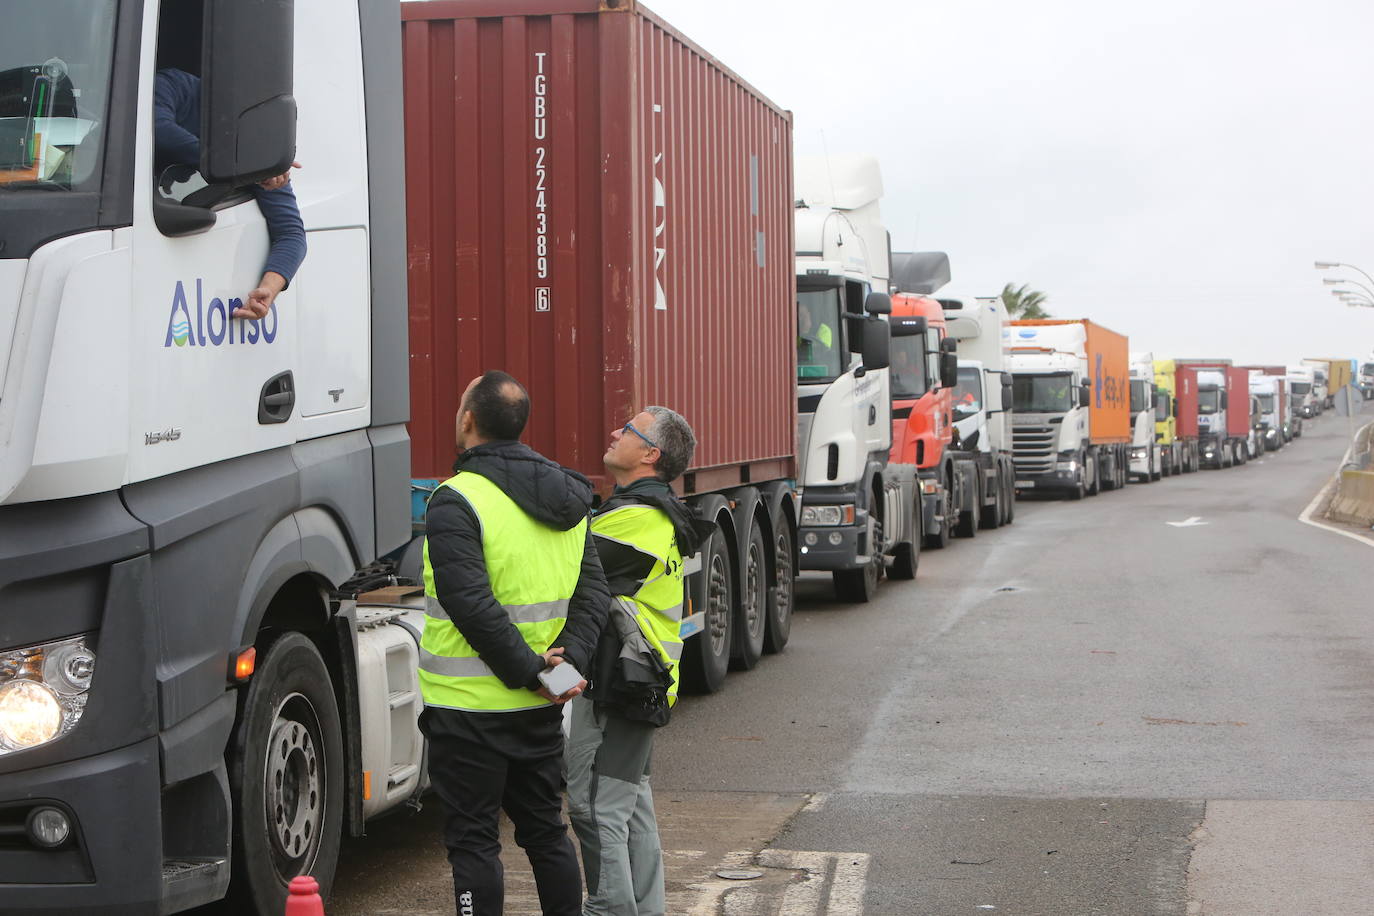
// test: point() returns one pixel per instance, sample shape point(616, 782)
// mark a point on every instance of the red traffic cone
point(303, 897)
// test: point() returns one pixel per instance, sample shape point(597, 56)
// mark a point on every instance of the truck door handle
point(872, 414)
point(277, 399)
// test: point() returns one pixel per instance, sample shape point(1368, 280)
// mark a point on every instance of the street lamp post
point(1332, 281)
point(1327, 265)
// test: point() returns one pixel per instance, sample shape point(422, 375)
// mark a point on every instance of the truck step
point(400, 698)
point(398, 775)
point(174, 870)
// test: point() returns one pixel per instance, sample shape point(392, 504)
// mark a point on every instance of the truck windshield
point(1266, 402)
point(1050, 392)
point(1302, 387)
point(908, 367)
point(54, 85)
point(1208, 400)
point(1140, 396)
point(818, 335)
point(968, 396)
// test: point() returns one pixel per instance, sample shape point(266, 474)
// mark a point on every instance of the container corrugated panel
point(1185, 401)
point(598, 207)
point(1238, 401)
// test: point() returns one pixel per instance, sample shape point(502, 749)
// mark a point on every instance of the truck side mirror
point(876, 343)
point(1085, 396)
point(1223, 400)
point(247, 110)
point(878, 304)
point(949, 370)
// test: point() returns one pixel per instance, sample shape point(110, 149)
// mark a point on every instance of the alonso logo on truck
point(213, 326)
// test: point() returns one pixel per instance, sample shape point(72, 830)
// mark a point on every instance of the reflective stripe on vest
point(533, 569)
point(659, 599)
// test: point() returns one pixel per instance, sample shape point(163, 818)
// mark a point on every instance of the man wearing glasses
point(641, 534)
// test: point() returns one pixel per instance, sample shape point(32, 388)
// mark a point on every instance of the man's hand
point(271, 184)
point(552, 659)
point(259, 301)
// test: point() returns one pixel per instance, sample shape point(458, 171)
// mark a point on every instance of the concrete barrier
point(1354, 499)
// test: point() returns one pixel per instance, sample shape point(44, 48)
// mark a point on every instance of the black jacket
point(551, 494)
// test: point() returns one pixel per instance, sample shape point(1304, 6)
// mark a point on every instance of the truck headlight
point(43, 692)
point(1069, 466)
point(1137, 454)
point(827, 516)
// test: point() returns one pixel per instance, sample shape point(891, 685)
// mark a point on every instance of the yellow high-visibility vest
point(658, 602)
point(533, 568)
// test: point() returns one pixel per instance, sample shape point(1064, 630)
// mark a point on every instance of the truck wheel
point(944, 530)
point(752, 613)
point(706, 657)
point(858, 586)
point(781, 595)
point(1009, 491)
point(1092, 471)
point(991, 516)
point(907, 557)
point(286, 775)
point(968, 518)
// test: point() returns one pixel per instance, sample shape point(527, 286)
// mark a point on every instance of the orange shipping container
point(1105, 357)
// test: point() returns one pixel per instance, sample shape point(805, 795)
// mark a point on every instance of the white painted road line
point(847, 874)
point(1192, 522)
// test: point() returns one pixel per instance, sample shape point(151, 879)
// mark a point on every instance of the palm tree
point(1023, 302)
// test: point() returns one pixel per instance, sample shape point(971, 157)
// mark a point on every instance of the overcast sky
point(1168, 169)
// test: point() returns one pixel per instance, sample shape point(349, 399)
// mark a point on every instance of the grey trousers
point(612, 812)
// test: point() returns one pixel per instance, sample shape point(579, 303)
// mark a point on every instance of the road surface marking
point(816, 803)
point(1193, 522)
point(826, 884)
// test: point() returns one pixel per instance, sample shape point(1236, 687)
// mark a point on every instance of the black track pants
point(511, 761)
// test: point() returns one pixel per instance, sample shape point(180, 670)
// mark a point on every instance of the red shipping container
point(1185, 401)
point(600, 208)
point(1237, 392)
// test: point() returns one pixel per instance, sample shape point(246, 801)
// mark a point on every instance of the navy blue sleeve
point(284, 228)
point(174, 95)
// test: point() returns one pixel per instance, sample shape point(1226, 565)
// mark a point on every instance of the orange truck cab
point(924, 373)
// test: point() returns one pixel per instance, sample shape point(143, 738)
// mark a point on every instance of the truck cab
point(1146, 459)
point(983, 400)
point(184, 493)
point(1301, 384)
point(1268, 391)
point(855, 508)
point(1223, 407)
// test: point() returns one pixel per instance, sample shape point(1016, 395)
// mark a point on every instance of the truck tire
point(969, 518)
point(938, 539)
point(706, 656)
point(907, 557)
point(751, 615)
point(1093, 478)
point(1009, 489)
point(858, 586)
point(991, 516)
point(782, 595)
point(286, 775)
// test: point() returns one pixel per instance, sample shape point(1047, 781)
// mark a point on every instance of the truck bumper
point(112, 864)
point(832, 548)
point(1048, 481)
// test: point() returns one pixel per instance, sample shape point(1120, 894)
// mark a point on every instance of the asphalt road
point(1091, 711)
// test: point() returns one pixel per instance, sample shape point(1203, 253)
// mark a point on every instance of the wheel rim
point(782, 588)
point(296, 782)
point(718, 604)
point(875, 553)
point(755, 596)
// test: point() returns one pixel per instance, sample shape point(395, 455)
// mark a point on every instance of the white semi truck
point(1269, 390)
point(858, 509)
point(982, 400)
point(1147, 462)
point(1301, 381)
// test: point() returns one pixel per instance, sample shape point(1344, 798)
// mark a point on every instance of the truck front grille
point(1033, 449)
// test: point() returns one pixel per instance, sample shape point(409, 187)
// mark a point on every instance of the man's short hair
point(675, 442)
point(500, 406)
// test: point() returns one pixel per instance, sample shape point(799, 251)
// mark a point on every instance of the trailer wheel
point(1009, 485)
point(286, 775)
point(781, 595)
point(752, 613)
point(944, 529)
point(858, 586)
point(706, 657)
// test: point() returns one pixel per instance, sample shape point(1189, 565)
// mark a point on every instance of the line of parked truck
point(191, 638)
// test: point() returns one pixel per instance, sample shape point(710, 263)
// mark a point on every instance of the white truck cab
point(1146, 461)
point(855, 506)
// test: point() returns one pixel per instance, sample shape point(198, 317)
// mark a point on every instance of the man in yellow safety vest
point(642, 533)
point(512, 588)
